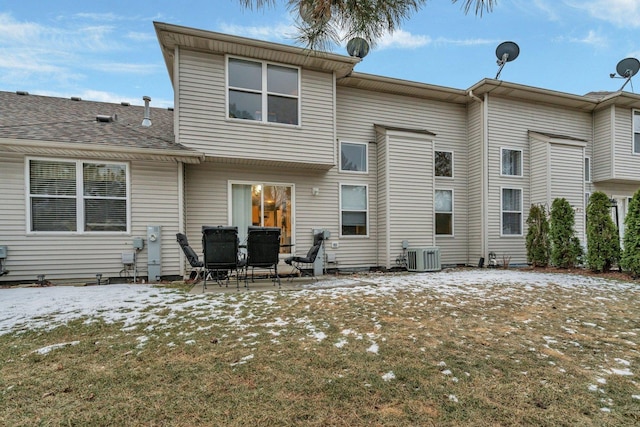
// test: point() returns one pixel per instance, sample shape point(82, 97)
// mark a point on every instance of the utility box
point(138, 243)
point(318, 264)
point(153, 253)
point(3, 252)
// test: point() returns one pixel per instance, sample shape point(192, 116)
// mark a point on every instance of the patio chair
point(263, 249)
point(220, 247)
point(303, 263)
point(196, 264)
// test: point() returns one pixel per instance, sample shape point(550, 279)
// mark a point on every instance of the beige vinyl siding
point(385, 255)
point(540, 173)
point(602, 159)
point(358, 111)
point(64, 258)
point(475, 186)
point(567, 180)
point(205, 127)
point(626, 164)
point(509, 123)
point(208, 204)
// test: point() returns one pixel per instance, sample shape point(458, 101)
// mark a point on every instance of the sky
point(108, 51)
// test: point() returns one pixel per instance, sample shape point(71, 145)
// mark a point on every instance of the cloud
point(402, 39)
point(276, 32)
point(592, 38)
point(622, 13)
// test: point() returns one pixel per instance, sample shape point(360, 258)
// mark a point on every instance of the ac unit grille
point(423, 259)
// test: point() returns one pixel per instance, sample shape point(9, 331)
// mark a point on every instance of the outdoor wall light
point(315, 191)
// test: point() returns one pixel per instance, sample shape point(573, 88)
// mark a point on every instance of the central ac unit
point(423, 259)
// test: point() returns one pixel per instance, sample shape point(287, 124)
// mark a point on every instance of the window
point(353, 210)
point(76, 196)
point(444, 163)
point(353, 157)
point(636, 132)
point(444, 212)
point(587, 169)
point(511, 212)
point(263, 205)
point(262, 92)
point(511, 162)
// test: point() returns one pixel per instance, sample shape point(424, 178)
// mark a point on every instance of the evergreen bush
point(630, 260)
point(603, 240)
point(538, 236)
point(566, 251)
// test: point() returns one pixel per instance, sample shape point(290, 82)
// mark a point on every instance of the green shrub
point(630, 261)
point(566, 251)
point(538, 236)
point(603, 240)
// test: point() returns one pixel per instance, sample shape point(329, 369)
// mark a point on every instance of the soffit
point(171, 36)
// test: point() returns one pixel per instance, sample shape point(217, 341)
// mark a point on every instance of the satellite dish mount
point(626, 69)
point(506, 52)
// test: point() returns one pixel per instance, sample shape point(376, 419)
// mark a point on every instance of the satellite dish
point(506, 52)
point(358, 47)
point(626, 68)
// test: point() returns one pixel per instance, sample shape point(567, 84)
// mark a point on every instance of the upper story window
point(443, 164)
point(77, 196)
point(511, 162)
point(353, 157)
point(636, 132)
point(263, 92)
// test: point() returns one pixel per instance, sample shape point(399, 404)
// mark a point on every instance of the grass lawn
point(461, 348)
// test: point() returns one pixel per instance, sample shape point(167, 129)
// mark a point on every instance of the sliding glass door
point(263, 205)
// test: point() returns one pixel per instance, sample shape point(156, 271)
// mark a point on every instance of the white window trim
point(264, 93)
point(355, 184)
point(521, 162)
point(79, 197)
point(521, 212)
point(366, 158)
point(633, 132)
point(230, 184)
point(453, 214)
point(587, 170)
point(453, 163)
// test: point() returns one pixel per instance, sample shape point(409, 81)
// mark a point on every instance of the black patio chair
point(196, 264)
point(302, 263)
point(220, 247)
point(263, 249)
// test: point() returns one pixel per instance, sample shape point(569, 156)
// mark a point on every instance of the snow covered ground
point(24, 309)
point(50, 307)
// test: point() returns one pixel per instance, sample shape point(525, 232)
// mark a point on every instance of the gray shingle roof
point(43, 118)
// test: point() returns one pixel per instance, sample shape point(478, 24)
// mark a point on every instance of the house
point(79, 181)
point(274, 135)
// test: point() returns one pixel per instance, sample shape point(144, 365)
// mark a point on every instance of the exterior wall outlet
point(335, 245)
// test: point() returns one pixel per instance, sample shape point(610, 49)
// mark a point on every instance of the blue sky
point(108, 51)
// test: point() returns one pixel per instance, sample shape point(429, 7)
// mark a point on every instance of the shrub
point(538, 236)
point(603, 240)
point(566, 251)
point(630, 261)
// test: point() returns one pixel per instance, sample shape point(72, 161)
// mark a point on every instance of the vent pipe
point(146, 122)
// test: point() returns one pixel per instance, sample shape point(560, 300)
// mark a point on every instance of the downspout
point(181, 213)
point(484, 161)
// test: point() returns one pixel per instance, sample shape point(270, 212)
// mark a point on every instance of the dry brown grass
point(491, 355)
